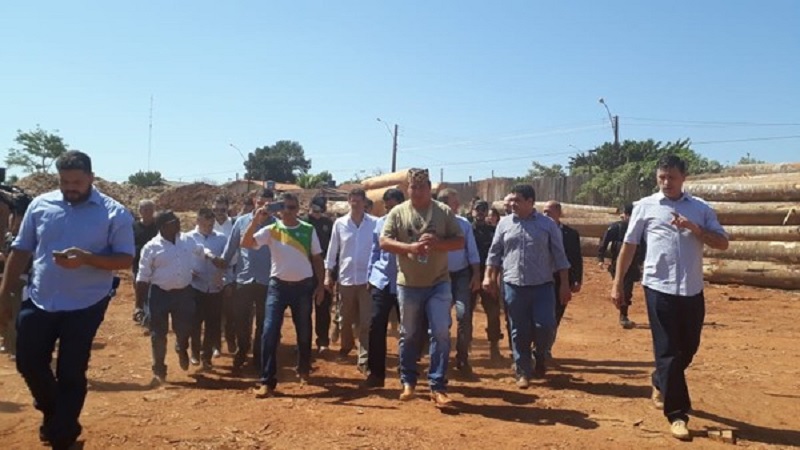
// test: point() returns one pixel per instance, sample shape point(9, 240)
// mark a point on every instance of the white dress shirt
point(353, 245)
point(224, 228)
point(167, 265)
point(207, 277)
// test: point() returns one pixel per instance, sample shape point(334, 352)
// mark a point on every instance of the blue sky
point(475, 86)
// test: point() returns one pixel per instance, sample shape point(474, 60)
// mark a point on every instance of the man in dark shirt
point(322, 311)
point(572, 247)
point(613, 238)
point(144, 229)
point(484, 233)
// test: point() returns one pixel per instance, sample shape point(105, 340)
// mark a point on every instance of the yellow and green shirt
point(291, 249)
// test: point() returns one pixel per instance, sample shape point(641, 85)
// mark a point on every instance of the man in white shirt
point(207, 284)
point(296, 261)
point(351, 244)
point(165, 272)
point(223, 224)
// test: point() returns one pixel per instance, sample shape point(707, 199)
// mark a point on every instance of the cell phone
point(275, 207)
point(59, 254)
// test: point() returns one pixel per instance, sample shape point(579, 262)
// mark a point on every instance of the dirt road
point(745, 377)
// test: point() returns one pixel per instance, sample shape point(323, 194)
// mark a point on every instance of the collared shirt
point(291, 249)
point(225, 227)
point(99, 225)
point(674, 260)
point(382, 265)
point(529, 249)
point(206, 276)
point(467, 256)
point(352, 244)
point(170, 265)
point(252, 266)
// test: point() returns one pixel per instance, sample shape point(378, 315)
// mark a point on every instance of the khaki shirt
point(405, 224)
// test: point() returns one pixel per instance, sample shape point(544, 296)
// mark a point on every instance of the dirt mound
point(192, 197)
point(125, 193)
point(38, 183)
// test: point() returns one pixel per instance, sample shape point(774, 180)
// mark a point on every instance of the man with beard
point(77, 237)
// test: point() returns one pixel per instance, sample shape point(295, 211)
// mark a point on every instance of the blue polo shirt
point(99, 225)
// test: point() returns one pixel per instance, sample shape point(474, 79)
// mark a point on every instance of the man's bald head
point(552, 209)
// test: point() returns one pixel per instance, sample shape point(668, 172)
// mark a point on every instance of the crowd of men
point(235, 277)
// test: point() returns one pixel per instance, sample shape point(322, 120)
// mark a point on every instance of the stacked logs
point(759, 207)
point(377, 186)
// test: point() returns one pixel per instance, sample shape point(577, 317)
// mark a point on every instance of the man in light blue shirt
point(675, 227)
point(77, 237)
point(252, 278)
point(383, 289)
point(464, 267)
point(529, 248)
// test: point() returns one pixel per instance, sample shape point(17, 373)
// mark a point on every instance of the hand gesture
point(261, 215)
point(682, 223)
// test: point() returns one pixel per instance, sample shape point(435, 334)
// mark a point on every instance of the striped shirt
point(291, 249)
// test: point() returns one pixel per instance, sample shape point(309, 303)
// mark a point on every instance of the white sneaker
point(680, 431)
point(658, 400)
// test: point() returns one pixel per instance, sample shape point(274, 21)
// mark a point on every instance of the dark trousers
point(58, 396)
point(249, 300)
point(322, 320)
point(383, 302)
point(207, 323)
point(491, 306)
point(560, 308)
point(297, 297)
point(675, 323)
point(228, 315)
point(178, 304)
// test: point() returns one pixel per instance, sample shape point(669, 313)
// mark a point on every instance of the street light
point(614, 123)
point(394, 142)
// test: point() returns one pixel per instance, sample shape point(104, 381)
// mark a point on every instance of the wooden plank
point(778, 191)
point(784, 252)
point(752, 273)
point(789, 233)
point(762, 213)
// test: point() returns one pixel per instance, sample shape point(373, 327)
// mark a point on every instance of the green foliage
point(541, 171)
point(146, 179)
point(627, 174)
point(38, 150)
point(281, 162)
point(12, 179)
point(362, 175)
point(311, 181)
point(747, 159)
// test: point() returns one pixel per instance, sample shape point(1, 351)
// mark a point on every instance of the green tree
point(37, 150)
point(539, 170)
point(311, 181)
point(627, 174)
point(281, 162)
point(146, 179)
point(747, 159)
point(362, 175)
point(12, 179)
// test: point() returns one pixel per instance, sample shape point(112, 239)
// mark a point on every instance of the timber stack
point(376, 186)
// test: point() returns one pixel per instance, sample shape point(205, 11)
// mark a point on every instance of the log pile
point(378, 185)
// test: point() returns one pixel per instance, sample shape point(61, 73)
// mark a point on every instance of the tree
point(12, 179)
point(39, 149)
point(540, 171)
point(146, 179)
point(281, 162)
point(627, 174)
point(747, 159)
point(311, 181)
point(362, 175)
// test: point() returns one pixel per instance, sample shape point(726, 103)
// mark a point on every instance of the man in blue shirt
point(529, 249)
point(675, 227)
point(382, 274)
point(76, 237)
point(252, 277)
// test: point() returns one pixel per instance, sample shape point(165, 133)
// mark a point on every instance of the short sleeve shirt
point(406, 224)
point(291, 249)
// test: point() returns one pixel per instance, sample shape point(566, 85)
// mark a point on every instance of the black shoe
point(373, 382)
point(232, 348)
point(194, 360)
point(183, 359)
point(464, 368)
point(494, 353)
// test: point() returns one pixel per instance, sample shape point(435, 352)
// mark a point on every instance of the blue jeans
point(58, 396)
point(532, 318)
point(297, 297)
point(675, 323)
point(462, 298)
point(178, 303)
point(417, 303)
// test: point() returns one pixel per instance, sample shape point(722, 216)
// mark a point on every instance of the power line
point(768, 138)
point(717, 123)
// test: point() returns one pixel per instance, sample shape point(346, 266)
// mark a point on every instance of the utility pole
point(394, 149)
point(614, 123)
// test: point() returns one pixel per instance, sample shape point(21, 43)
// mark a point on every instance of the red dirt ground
point(746, 377)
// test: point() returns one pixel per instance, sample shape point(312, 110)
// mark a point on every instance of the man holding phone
point(77, 237)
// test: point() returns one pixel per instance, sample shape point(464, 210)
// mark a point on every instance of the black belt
point(290, 283)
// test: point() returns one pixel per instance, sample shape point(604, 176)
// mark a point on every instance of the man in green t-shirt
point(420, 232)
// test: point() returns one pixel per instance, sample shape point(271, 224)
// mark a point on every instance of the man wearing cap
point(613, 237)
point(76, 237)
point(252, 277)
point(528, 249)
point(421, 232)
point(465, 279)
point(351, 246)
point(383, 289)
point(323, 225)
point(165, 277)
point(296, 263)
point(484, 233)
